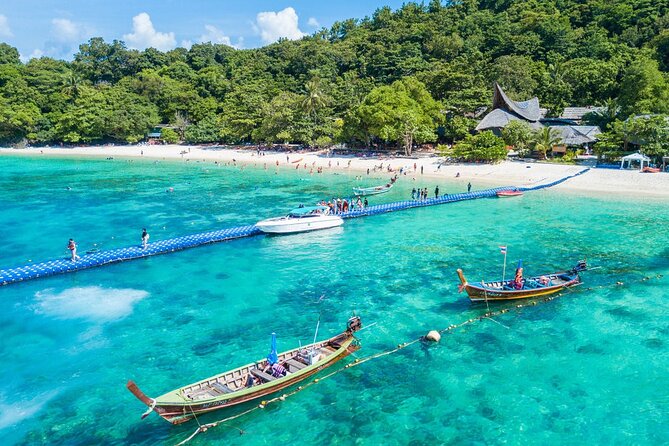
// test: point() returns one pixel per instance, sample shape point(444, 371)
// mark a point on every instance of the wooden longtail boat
point(251, 381)
point(372, 190)
point(509, 193)
point(542, 285)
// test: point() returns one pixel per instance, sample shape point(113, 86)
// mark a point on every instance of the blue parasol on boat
point(273, 357)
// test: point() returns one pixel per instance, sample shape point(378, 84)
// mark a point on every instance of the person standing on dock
point(413, 193)
point(469, 187)
point(145, 238)
point(366, 203)
point(436, 192)
point(72, 246)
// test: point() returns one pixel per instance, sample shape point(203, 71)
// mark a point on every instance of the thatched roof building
point(505, 110)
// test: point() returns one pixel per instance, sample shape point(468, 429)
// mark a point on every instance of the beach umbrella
point(273, 357)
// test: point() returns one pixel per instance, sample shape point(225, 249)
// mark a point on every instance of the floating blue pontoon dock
point(61, 266)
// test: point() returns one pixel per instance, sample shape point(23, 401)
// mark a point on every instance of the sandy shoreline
point(596, 181)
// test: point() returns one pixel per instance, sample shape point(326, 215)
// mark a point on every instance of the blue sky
point(56, 28)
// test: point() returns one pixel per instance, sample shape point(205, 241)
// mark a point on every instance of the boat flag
point(273, 356)
point(502, 249)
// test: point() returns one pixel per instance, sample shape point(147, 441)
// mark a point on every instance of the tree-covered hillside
point(395, 76)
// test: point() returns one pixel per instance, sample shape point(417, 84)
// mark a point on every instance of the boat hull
point(289, 226)
point(509, 193)
point(181, 413)
point(494, 291)
point(183, 404)
point(371, 190)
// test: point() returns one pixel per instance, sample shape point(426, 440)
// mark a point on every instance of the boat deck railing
point(61, 266)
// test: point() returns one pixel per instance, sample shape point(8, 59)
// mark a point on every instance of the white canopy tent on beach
point(634, 157)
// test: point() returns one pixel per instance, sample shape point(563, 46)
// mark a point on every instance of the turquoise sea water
point(586, 368)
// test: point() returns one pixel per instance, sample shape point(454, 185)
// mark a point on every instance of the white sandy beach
point(508, 173)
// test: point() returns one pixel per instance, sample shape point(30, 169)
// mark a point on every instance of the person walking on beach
point(145, 238)
point(421, 170)
point(72, 246)
point(436, 192)
point(469, 187)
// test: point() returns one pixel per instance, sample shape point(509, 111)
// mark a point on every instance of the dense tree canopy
point(392, 79)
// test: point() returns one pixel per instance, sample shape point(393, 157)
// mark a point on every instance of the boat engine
point(353, 324)
point(582, 265)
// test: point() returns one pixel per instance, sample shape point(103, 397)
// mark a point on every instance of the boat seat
point(262, 375)
point(301, 360)
point(295, 364)
point(222, 387)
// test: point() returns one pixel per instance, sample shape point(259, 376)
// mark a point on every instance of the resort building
point(504, 110)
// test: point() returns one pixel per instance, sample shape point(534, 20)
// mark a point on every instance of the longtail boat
point(372, 190)
point(251, 381)
point(523, 288)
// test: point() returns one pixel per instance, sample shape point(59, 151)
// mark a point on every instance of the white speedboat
point(301, 220)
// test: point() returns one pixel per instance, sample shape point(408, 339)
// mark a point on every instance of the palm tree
point(72, 85)
point(181, 122)
point(605, 116)
point(314, 99)
point(544, 139)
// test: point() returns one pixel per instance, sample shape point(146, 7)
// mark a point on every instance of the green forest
point(393, 79)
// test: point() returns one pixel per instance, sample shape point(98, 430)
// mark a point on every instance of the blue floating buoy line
point(100, 258)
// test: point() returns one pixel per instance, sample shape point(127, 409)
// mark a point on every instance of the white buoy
point(433, 335)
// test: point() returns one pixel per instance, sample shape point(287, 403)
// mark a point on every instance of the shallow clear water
point(587, 367)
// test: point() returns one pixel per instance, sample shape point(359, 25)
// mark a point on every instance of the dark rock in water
point(222, 276)
point(578, 393)
point(622, 312)
point(654, 343)
point(204, 348)
point(590, 349)
point(487, 412)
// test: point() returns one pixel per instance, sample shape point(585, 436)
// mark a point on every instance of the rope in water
point(487, 315)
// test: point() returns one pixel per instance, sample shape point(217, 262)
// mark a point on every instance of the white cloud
point(215, 35)
point(274, 25)
point(144, 35)
point(186, 44)
point(66, 30)
point(36, 54)
point(5, 31)
point(313, 22)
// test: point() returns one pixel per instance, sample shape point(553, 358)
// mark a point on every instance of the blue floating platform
point(62, 266)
